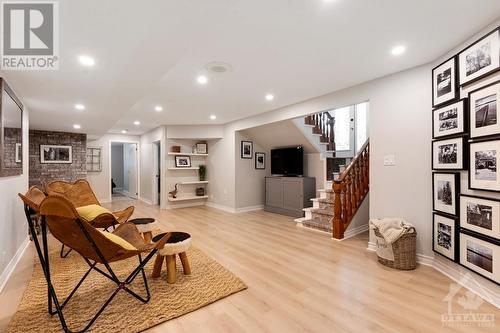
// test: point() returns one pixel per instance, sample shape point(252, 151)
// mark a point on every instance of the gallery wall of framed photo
point(465, 153)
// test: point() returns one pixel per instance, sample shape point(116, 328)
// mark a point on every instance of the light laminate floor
point(298, 281)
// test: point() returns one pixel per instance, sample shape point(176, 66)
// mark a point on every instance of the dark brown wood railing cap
point(353, 162)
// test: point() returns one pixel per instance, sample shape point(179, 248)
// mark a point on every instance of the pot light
point(86, 60)
point(158, 108)
point(76, 126)
point(137, 122)
point(213, 117)
point(269, 97)
point(124, 131)
point(202, 79)
point(398, 50)
point(79, 107)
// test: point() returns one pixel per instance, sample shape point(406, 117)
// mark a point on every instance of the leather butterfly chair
point(95, 247)
point(80, 194)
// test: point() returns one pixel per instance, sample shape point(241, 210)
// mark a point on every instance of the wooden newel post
point(338, 223)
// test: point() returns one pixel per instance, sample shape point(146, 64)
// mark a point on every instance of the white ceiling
point(150, 52)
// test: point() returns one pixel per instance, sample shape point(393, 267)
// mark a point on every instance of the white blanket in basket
point(391, 230)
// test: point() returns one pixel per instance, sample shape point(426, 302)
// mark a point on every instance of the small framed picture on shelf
point(247, 149)
point(444, 82)
point(483, 106)
point(480, 59)
point(445, 190)
point(481, 215)
point(448, 154)
point(182, 161)
point(483, 166)
point(450, 119)
point(445, 236)
point(480, 256)
point(201, 148)
point(260, 161)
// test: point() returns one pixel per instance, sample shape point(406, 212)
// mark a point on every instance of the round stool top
point(177, 243)
point(142, 220)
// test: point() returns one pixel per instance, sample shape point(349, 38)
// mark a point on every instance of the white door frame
point(137, 163)
point(157, 169)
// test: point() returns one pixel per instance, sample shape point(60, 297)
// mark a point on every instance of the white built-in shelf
point(194, 183)
point(187, 154)
point(191, 168)
point(188, 198)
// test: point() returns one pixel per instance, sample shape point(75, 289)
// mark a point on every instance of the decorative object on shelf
point(481, 256)
point(93, 158)
point(260, 161)
point(483, 166)
point(483, 108)
point(450, 119)
point(55, 154)
point(200, 191)
point(445, 192)
point(444, 82)
point(445, 236)
point(201, 148)
point(247, 149)
point(194, 150)
point(19, 152)
point(174, 192)
point(175, 149)
point(448, 154)
point(480, 59)
point(481, 215)
point(202, 172)
point(182, 161)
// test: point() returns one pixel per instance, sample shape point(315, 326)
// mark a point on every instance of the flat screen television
point(287, 161)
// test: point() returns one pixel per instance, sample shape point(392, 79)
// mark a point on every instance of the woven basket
point(405, 251)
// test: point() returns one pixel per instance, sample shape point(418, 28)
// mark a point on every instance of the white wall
point(146, 160)
point(117, 165)
point(195, 132)
point(315, 166)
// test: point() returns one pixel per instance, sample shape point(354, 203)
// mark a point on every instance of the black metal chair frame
point(43, 255)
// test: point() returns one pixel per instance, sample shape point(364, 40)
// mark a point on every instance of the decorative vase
point(200, 191)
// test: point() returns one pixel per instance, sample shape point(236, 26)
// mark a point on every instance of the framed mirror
point(11, 132)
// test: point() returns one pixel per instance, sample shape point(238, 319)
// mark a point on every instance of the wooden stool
point(145, 225)
point(178, 244)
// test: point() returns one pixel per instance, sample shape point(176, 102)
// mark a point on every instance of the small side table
point(145, 225)
point(178, 243)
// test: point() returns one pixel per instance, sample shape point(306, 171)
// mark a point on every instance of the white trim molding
point(233, 210)
point(4, 277)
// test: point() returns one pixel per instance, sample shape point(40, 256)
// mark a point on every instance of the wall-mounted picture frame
point(445, 236)
point(480, 256)
point(445, 189)
point(483, 111)
point(444, 82)
point(201, 148)
point(93, 159)
point(483, 160)
point(480, 59)
point(449, 154)
point(247, 149)
point(19, 153)
point(450, 119)
point(260, 161)
point(56, 154)
point(481, 215)
point(182, 161)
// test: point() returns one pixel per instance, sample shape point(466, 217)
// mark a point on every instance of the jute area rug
point(208, 283)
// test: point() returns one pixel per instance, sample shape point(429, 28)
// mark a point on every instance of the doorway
point(124, 170)
point(156, 195)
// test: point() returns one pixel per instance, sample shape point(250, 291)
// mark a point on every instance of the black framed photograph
point(445, 189)
point(480, 256)
point(450, 119)
point(247, 149)
point(260, 161)
point(445, 236)
point(481, 215)
point(55, 154)
point(444, 82)
point(483, 166)
point(448, 154)
point(480, 59)
point(483, 106)
point(182, 161)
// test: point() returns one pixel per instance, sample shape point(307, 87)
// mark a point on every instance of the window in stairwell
point(342, 128)
point(361, 124)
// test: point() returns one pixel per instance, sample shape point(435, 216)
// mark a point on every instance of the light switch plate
point(389, 160)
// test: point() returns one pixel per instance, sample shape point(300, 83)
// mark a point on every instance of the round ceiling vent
point(218, 67)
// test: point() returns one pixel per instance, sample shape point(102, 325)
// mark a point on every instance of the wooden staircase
point(322, 125)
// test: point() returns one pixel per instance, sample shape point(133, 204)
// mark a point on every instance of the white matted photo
point(448, 154)
point(182, 161)
point(480, 256)
point(444, 238)
point(483, 108)
point(481, 215)
point(445, 192)
point(480, 59)
point(444, 82)
point(55, 154)
point(449, 119)
point(483, 165)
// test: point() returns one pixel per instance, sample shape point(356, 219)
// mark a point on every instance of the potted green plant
point(202, 172)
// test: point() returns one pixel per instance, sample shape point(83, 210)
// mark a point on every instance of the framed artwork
point(480, 256)
point(201, 148)
point(260, 161)
point(55, 154)
point(483, 165)
point(448, 154)
point(483, 108)
point(93, 157)
point(481, 215)
point(247, 149)
point(445, 236)
point(182, 161)
point(450, 119)
point(19, 153)
point(480, 59)
point(445, 188)
point(444, 82)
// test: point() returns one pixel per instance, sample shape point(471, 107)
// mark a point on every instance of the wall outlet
point(389, 160)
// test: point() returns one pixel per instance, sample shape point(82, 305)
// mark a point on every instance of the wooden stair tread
point(317, 225)
point(322, 211)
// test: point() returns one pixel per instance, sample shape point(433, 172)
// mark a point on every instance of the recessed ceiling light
point(202, 79)
point(213, 117)
point(269, 97)
point(398, 50)
point(158, 108)
point(86, 60)
point(80, 107)
point(137, 122)
point(76, 126)
point(124, 131)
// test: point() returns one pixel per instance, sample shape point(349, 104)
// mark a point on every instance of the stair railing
point(350, 190)
point(323, 123)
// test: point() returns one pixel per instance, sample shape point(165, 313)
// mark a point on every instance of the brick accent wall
point(39, 172)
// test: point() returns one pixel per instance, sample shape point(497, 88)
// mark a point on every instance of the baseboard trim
point(184, 205)
point(145, 201)
point(349, 233)
point(249, 209)
point(13, 263)
point(220, 207)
